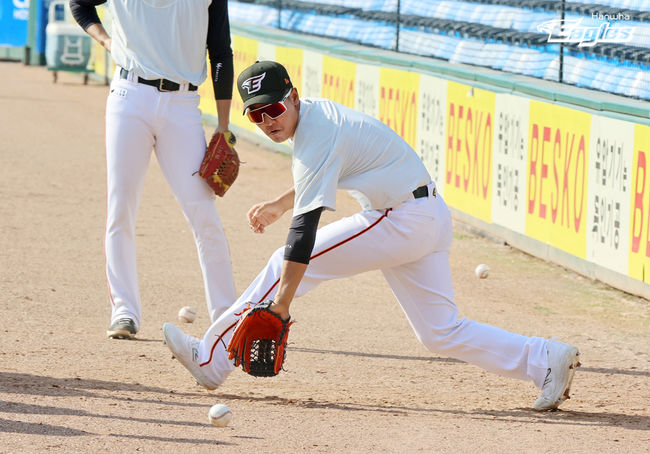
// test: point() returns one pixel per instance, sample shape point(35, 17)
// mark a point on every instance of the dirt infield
point(357, 380)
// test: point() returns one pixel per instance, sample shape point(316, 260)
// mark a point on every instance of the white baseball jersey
point(166, 38)
point(335, 147)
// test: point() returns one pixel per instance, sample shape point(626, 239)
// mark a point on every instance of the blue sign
point(14, 15)
point(41, 22)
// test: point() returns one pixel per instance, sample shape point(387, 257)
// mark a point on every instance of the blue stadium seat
point(500, 34)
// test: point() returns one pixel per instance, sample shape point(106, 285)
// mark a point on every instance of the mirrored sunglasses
point(272, 110)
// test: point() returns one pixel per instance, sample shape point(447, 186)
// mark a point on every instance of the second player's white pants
point(410, 244)
point(139, 119)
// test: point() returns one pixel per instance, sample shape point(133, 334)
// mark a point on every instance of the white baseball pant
point(140, 118)
point(410, 244)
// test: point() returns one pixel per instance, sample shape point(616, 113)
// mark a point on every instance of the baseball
point(187, 314)
point(482, 271)
point(219, 415)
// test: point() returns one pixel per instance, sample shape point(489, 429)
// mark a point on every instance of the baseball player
point(159, 49)
point(404, 229)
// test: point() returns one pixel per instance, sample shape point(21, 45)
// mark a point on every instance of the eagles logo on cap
point(253, 84)
point(264, 82)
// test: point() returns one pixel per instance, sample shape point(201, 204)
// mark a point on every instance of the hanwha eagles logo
point(253, 84)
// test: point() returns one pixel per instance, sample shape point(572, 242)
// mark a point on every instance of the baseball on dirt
point(219, 415)
point(482, 271)
point(187, 314)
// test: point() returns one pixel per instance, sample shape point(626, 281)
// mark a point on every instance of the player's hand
point(281, 309)
point(264, 214)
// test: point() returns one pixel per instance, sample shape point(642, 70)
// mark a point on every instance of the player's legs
point(180, 147)
point(424, 290)
point(212, 354)
point(129, 141)
point(343, 248)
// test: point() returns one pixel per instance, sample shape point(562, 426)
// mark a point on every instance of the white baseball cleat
point(186, 350)
point(563, 360)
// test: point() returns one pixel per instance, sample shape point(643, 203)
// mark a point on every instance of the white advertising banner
point(608, 209)
point(366, 90)
point(432, 124)
point(265, 51)
point(312, 82)
point(509, 164)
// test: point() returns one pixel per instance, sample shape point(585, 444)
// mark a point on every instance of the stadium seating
point(499, 34)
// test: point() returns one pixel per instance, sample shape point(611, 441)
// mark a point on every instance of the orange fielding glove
point(259, 341)
point(220, 165)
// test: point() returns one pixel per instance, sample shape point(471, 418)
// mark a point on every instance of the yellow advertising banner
point(339, 80)
point(557, 176)
point(468, 150)
point(639, 255)
point(398, 102)
point(206, 92)
point(244, 55)
point(291, 59)
point(100, 58)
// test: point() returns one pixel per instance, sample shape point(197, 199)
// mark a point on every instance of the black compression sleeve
point(302, 236)
point(84, 12)
point(219, 50)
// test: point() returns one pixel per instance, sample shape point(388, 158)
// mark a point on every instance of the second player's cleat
point(563, 360)
point(185, 349)
point(122, 328)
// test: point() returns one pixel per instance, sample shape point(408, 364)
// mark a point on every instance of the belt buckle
point(161, 83)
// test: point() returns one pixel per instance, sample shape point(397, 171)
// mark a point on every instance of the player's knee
point(433, 343)
point(203, 218)
point(437, 338)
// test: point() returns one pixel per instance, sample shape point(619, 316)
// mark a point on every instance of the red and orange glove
point(259, 341)
point(220, 165)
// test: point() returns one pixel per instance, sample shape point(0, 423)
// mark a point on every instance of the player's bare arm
point(85, 13)
point(263, 214)
point(223, 114)
point(260, 336)
point(292, 273)
point(99, 34)
point(297, 254)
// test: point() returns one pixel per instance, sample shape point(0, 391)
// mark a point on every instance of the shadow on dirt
point(598, 370)
point(377, 355)
point(21, 427)
point(515, 415)
point(17, 383)
point(193, 441)
point(34, 409)
point(34, 385)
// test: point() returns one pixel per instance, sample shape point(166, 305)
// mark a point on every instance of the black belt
point(160, 84)
point(423, 191)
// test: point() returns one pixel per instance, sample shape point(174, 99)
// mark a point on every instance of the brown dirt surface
point(357, 380)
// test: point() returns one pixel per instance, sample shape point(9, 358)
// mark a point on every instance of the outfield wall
point(555, 171)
